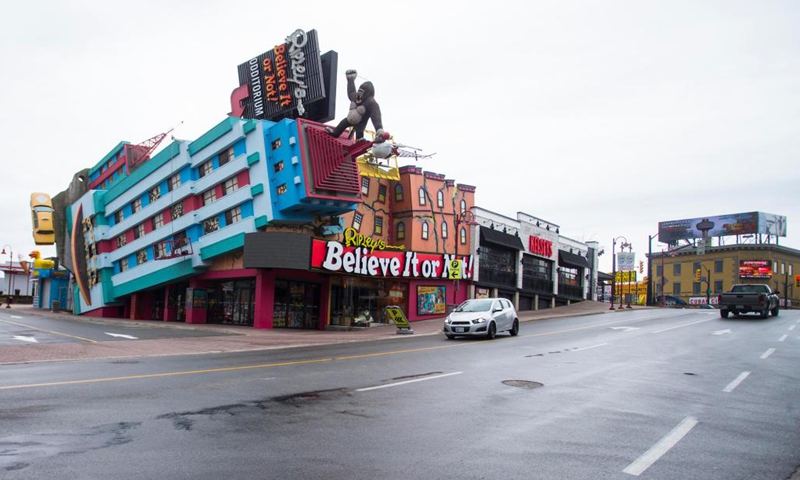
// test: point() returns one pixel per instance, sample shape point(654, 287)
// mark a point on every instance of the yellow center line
point(286, 364)
point(48, 331)
point(167, 374)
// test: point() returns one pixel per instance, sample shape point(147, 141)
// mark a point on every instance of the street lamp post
point(10, 257)
point(614, 269)
point(630, 254)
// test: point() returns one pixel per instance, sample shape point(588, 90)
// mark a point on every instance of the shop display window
point(296, 305)
point(360, 301)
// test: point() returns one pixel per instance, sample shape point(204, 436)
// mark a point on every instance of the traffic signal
point(641, 266)
point(697, 274)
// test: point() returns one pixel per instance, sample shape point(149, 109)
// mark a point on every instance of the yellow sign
point(397, 316)
point(455, 270)
point(628, 276)
point(354, 239)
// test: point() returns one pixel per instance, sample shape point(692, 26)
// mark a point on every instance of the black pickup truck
point(749, 298)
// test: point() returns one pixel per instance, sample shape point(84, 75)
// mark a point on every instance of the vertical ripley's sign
point(353, 258)
point(283, 79)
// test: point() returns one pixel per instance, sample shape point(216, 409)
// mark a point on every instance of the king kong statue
point(363, 107)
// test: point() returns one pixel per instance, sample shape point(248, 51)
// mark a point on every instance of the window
point(138, 231)
point(717, 266)
point(401, 231)
point(696, 288)
point(718, 286)
point(444, 229)
point(158, 221)
point(463, 236)
point(174, 182)
point(398, 193)
point(382, 193)
point(463, 206)
point(422, 196)
point(205, 168)
point(211, 225)
point(209, 196)
point(365, 185)
point(141, 257)
point(676, 269)
point(136, 205)
point(233, 215)
point(440, 199)
point(225, 156)
point(357, 218)
point(155, 194)
point(177, 210)
point(231, 185)
point(122, 240)
point(424, 230)
point(676, 288)
point(378, 226)
point(123, 264)
point(160, 250)
point(659, 271)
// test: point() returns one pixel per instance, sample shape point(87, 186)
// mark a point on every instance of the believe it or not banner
point(352, 258)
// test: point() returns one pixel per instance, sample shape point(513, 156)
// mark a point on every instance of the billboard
point(722, 225)
point(755, 269)
point(284, 81)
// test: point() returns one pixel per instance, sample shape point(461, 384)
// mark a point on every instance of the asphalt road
point(664, 394)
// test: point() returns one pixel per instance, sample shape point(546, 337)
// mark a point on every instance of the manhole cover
point(523, 384)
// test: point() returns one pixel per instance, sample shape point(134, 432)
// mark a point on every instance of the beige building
point(674, 277)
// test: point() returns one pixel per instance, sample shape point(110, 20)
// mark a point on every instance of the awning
point(567, 258)
point(499, 238)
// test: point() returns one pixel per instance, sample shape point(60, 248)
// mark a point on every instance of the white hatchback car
point(482, 317)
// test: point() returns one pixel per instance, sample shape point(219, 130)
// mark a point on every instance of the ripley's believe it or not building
point(267, 220)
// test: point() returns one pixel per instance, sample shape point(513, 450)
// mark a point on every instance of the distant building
point(675, 272)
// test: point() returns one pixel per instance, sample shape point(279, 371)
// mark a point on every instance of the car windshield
point(475, 306)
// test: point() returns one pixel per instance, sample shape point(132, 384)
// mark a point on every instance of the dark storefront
point(232, 302)
point(498, 263)
point(537, 283)
point(571, 270)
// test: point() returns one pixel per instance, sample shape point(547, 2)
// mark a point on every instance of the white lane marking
point(625, 329)
point(18, 318)
point(659, 449)
point(736, 382)
point(679, 326)
point(783, 337)
point(721, 332)
point(25, 339)
point(407, 381)
point(586, 348)
point(766, 354)
point(120, 335)
point(791, 328)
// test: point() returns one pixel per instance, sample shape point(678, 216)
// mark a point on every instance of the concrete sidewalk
point(231, 338)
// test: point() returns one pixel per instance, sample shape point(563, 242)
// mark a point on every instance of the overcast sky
point(604, 117)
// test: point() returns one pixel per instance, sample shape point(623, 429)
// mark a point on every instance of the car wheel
point(723, 313)
point(514, 328)
point(491, 331)
point(775, 311)
point(449, 336)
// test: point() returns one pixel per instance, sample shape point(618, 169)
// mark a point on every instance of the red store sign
point(540, 246)
point(337, 257)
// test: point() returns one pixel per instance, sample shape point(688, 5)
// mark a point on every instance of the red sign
point(540, 246)
point(755, 269)
point(359, 260)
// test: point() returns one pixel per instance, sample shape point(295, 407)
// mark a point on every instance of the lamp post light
point(614, 269)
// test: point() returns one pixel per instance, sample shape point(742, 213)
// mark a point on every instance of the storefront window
point(498, 265)
point(296, 305)
point(361, 301)
point(232, 303)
